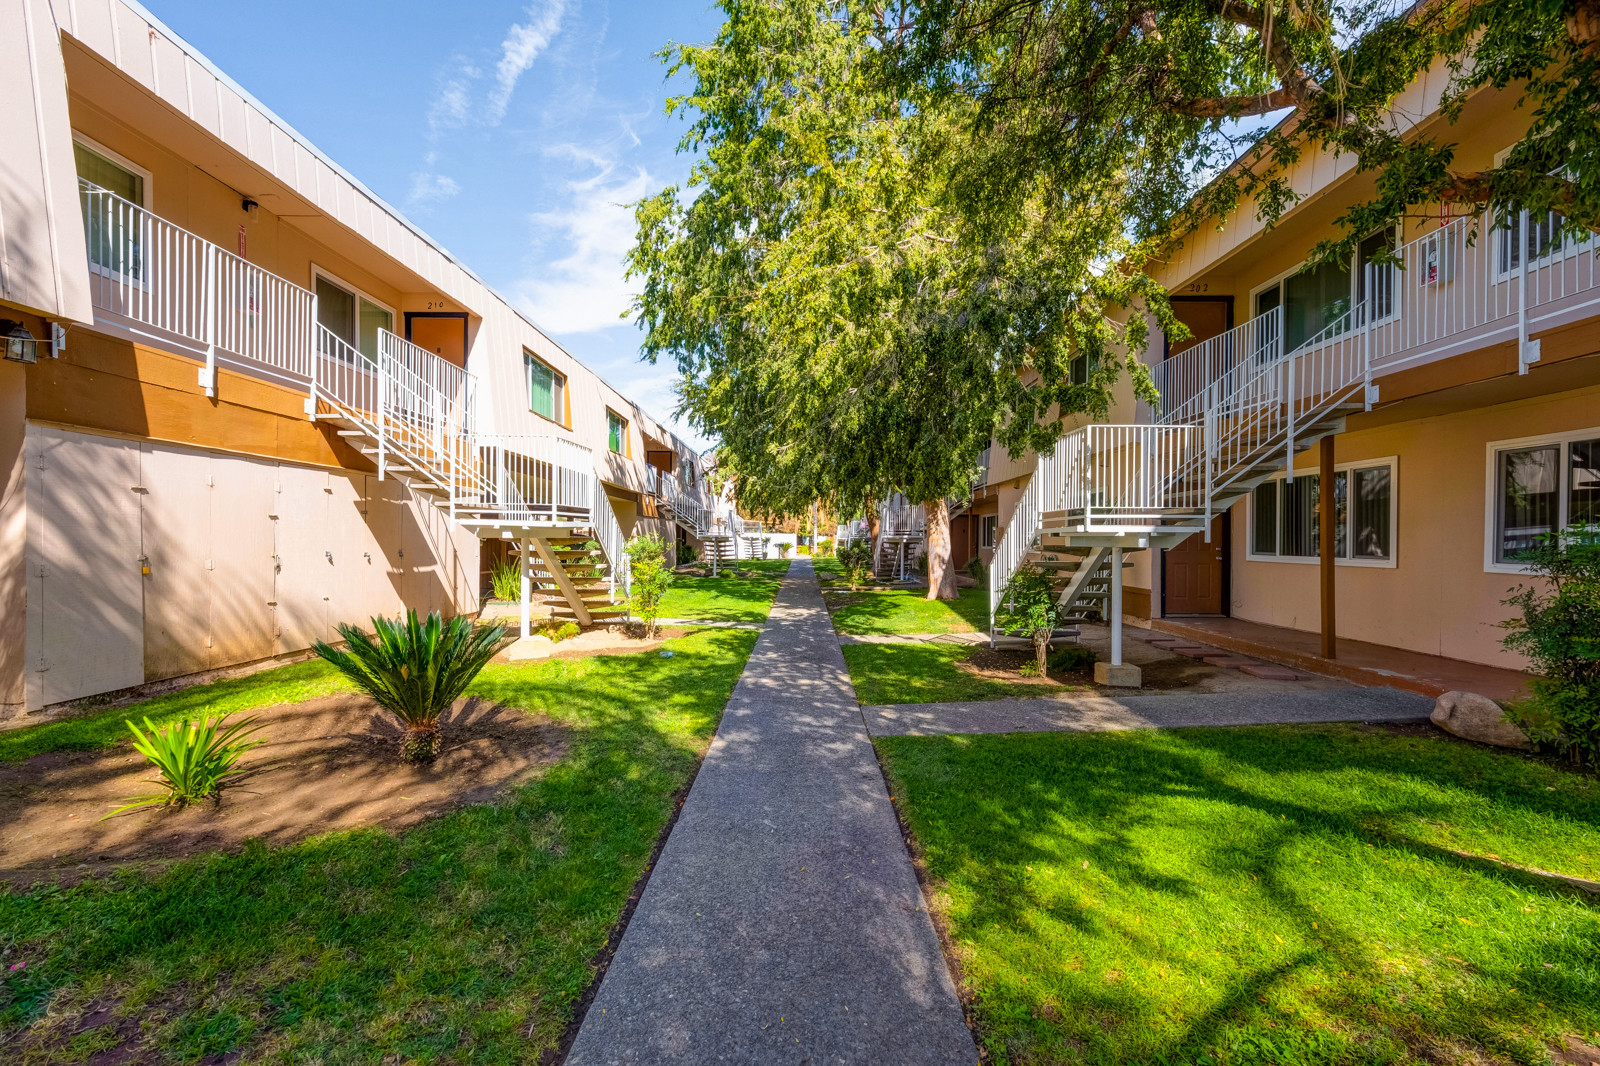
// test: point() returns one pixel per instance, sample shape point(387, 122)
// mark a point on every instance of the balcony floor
point(1358, 661)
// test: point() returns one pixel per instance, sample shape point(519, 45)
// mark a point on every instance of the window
point(1081, 367)
point(1539, 486)
point(686, 472)
point(547, 389)
point(987, 526)
point(1317, 298)
point(350, 314)
point(616, 432)
point(1285, 523)
point(1544, 240)
point(111, 229)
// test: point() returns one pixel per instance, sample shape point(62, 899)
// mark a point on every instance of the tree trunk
point(420, 744)
point(1041, 648)
point(941, 561)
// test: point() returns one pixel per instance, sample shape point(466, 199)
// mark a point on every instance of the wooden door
point(1194, 575)
point(442, 333)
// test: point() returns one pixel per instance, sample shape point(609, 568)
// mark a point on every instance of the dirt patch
point(620, 639)
point(1575, 1051)
point(331, 763)
point(1167, 675)
point(1002, 665)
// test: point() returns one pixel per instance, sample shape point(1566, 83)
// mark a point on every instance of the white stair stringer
point(1114, 489)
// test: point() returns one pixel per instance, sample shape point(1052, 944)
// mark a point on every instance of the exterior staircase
point(586, 594)
point(902, 529)
point(1236, 410)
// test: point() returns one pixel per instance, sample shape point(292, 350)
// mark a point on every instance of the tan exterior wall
point(148, 560)
point(42, 258)
point(1439, 598)
point(13, 536)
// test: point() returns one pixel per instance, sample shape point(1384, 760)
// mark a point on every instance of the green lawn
point(927, 673)
point(728, 597)
point(896, 611)
point(467, 938)
point(284, 684)
point(1278, 895)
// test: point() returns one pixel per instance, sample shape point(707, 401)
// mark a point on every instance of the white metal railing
point(608, 534)
point(152, 277)
point(1185, 378)
point(1021, 533)
point(1114, 478)
point(529, 478)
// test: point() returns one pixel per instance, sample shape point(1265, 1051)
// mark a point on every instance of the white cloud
point(431, 188)
point(523, 43)
point(584, 291)
point(456, 105)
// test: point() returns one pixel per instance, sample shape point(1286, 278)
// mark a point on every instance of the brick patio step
point(1270, 672)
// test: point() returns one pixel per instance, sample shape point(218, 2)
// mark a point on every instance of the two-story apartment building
point(1460, 391)
point(244, 400)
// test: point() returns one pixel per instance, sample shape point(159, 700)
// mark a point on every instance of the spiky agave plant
point(415, 669)
point(195, 759)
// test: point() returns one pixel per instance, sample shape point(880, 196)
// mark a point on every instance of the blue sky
point(511, 132)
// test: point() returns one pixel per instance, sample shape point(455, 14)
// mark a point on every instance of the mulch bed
point(1164, 675)
point(327, 764)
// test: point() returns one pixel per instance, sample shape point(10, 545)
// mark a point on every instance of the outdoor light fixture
point(20, 347)
point(250, 207)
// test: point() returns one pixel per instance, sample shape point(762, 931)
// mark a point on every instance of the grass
point(927, 673)
point(467, 938)
point(871, 612)
point(729, 597)
point(1283, 895)
point(285, 684)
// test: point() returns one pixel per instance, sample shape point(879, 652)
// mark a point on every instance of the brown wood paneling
point(1135, 602)
point(111, 385)
point(1480, 365)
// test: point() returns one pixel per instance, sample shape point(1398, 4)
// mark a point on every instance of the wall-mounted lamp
point(16, 343)
point(250, 207)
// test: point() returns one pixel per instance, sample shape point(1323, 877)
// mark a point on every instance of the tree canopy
point(844, 325)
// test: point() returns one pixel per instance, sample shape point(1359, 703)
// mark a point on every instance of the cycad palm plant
point(415, 669)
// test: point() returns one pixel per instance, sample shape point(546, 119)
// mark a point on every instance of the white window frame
point(120, 160)
point(100, 269)
point(1491, 494)
point(1500, 235)
point(988, 524)
point(360, 294)
point(1279, 279)
point(1391, 563)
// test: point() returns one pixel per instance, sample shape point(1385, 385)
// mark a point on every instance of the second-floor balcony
point(1459, 287)
point(410, 411)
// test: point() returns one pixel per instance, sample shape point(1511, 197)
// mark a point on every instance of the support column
point(1116, 672)
point(524, 565)
point(1327, 527)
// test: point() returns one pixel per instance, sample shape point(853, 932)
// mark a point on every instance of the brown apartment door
point(1194, 578)
point(1194, 574)
point(442, 333)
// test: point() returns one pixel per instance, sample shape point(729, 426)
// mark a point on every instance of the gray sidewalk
point(1165, 711)
point(783, 922)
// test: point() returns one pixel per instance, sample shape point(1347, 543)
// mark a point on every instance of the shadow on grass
point(471, 934)
point(1283, 895)
point(870, 611)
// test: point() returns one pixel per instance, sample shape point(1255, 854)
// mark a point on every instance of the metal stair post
point(1116, 607)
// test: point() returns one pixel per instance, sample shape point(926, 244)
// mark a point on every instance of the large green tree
point(849, 319)
point(1175, 94)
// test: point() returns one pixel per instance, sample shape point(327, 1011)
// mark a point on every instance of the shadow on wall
point(150, 561)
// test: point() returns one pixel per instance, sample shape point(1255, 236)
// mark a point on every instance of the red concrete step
point(1228, 662)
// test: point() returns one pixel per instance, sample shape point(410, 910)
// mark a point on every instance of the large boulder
point(1475, 717)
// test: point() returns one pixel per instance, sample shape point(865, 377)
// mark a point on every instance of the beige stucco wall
point(1438, 598)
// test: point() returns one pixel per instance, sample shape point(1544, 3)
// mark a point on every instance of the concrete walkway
point(783, 922)
point(1097, 713)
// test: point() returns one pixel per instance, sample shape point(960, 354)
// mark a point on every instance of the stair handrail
point(1184, 379)
point(613, 543)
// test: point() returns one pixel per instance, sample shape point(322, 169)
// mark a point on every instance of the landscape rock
point(1475, 717)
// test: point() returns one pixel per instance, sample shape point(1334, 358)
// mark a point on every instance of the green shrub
point(687, 556)
point(1559, 632)
point(824, 547)
point(415, 670)
point(1029, 606)
point(505, 577)
point(194, 760)
point(979, 573)
point(565, 631)
point(1071, 659)
point(856, 558)
point(647, 556)
point(783, 549)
